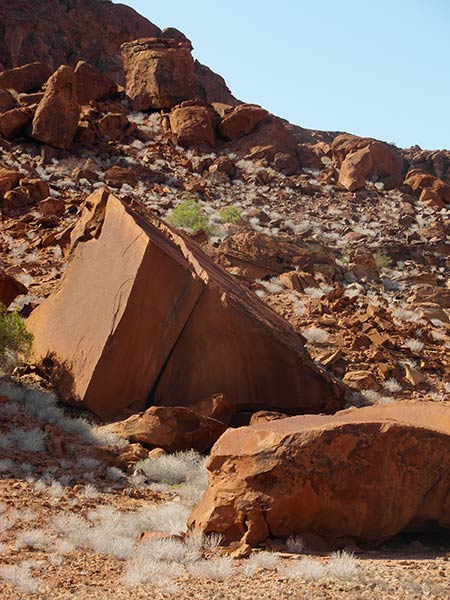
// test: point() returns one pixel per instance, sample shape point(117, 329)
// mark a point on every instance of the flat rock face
point(159, 72)
point(56, 119)
point(366, 473)
point(148, 318)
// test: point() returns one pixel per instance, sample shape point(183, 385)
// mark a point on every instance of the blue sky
point(374, 68)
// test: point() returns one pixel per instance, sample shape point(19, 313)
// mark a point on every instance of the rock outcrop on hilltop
point(365, 473)
point(148, 318)
point(66, 31)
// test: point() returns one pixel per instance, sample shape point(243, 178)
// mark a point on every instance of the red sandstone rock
point(366, 473)
point(27, 78)
point(9, 179)
point(362, 158)
point(10, 288)
point(91, 84)
point(159, 73)
point(138, 294)
point(424, 182)
point(7, 101)
point(241, 120)
point(192, 125)
point(14, 122)
point(172, 428)
point(117, 176)
point(112, 126)
point(56, 119)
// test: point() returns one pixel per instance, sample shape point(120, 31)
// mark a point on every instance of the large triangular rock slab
point(142, 316)
point(365, 473)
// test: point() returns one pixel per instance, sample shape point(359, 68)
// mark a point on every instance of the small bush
point(14, 338)
point(230, 214)
point(382, 261)
point(189, 215)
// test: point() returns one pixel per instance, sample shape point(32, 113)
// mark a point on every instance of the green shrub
point(230, 214)
point(189, 215)
point(382, 261)
point(14, 338)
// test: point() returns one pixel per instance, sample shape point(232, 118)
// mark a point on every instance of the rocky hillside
point(197, 273)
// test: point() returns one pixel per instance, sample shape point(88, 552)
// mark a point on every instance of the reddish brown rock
point(118, 176)
point(159, 73)
point(360, 159)
point(424, 182)
point(56, 119)
point(91, 84)
point(14, 122)
point(10, 288)
point(52, 206)
point(26, 194)
point(137, 293)
point(366, 473)
point(7, 101)
point(9, 179)
point(241, 120)
point(172, 428)
point(193, 125)
point(217, 407)
point(112, 126)
point(27, 78)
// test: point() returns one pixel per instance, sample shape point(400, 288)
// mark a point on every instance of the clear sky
point(378, 68)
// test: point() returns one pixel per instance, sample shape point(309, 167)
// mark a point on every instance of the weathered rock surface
point(56, 119)
point(91, 84)
point(159, 72)
point(193, 125)
point(172, 428)
point(367, 473)
point(241, 120)
point(14, 122)
point(27, 78)
point(149, 319)
point(424, 182)
point(362, 158)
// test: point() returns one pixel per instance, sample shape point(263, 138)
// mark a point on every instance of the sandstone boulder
point(424, 182)
point(173, 429)
point(360, 159)
point(149, 319)
point(7, 101)
point(28, 78)
point(91, 84)
point(193, 125)
point(56, 119)
point(14, 122)
point(159, 72)
point(241, 120)
point(366, 473)
point(9, 179)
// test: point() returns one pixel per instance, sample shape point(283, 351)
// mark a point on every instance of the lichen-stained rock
point(143, 316)
point(366, 473)
point(56, 119)
point(159, 72)
point(172, 428)
point(193, 125)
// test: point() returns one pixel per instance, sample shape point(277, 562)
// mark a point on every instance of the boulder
point(241, 120)
point(91, 84)
point(28, 78)
point(10, 288)
point(56, 119)
point(29, 192)
point(149, 319)
point(9, 179)
point(112, 126)
point(360, 159)
point(365, 473)
point(7, 101)
point(117, 176)
point(159, 72)
point(172, 428)
point(424, 182)
point(193, 125)
point(14, 122)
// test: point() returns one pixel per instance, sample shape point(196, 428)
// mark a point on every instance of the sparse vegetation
point(230, 214)
point(382, 261)
point(189, 215)
point(14, 337)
